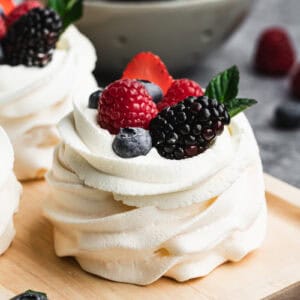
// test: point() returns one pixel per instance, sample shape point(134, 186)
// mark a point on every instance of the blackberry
point(188, 128)
point(31, 39)
point(1, 53)
point(33, 295)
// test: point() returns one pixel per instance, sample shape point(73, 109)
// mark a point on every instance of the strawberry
point(275, 54)
point(148, 66)
point(20, 10)
point(125, 103)
point(7, 6)
point(178, 91)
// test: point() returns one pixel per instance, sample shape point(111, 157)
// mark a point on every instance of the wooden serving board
point(30, 263)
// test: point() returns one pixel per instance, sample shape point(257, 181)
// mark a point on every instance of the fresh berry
point(125, 103)
point(275, 54)
point(6, 6)
point(3, 28)
point(153, 89)
point(287, 115)
point(148, 66)
point(32, 295)
point(30, 41)
point(132, 142)
point(1, 54)
point(178, 91)
point(20, 10)
point(189, 127)
point(94, 98)
point(295, 82)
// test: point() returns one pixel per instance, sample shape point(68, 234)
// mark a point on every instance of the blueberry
point(31, 295)
point(132, 142)
point(154, 90)
point(94, 98)
point(287, 115)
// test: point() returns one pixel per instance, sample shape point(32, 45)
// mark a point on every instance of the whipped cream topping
point(33, 100)
point(10, 191)
point(135, 220)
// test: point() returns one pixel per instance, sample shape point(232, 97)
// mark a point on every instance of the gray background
point(280, 149)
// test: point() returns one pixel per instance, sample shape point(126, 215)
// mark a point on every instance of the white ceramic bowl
point(180, 31)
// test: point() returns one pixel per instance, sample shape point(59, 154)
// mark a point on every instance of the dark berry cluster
point(188, 128)
point(30, 41)
point(33, 295)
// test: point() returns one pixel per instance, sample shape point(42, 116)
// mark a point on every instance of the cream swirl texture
point(10, 191)
point(33, 100)
point(135, 220)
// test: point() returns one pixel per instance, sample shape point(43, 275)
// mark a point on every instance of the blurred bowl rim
point(156, 4)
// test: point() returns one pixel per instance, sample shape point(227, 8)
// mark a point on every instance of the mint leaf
point(224, 86)
point(69, 10)
point(237, 105)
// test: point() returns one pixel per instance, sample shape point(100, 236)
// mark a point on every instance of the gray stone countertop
point(280, 149)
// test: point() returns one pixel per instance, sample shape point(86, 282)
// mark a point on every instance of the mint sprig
point(224, 87)
point(237, 105)
point(69, 10)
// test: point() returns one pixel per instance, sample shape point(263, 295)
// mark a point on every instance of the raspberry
point(30, 40)
point(295, 82)
point(148, 66)
point(3, 29)
point(188, 128)
point(178, 91)
point(21, 10)
point(125, 103)
point(275, 54)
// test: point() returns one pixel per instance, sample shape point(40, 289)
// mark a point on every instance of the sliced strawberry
point(148, 66)
point(7, 6)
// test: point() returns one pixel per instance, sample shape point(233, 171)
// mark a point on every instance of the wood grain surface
point(30, 262)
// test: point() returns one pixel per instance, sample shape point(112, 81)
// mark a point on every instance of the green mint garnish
point(69, 10)
point(224, 87)
point(30, 294)
point(237, 105)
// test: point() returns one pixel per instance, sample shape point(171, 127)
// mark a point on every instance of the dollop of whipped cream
point(10, 191)
point(33, 100)
point(135, 220)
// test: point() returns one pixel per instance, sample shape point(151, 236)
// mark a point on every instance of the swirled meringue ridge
point(135, 220)
point(10, 191)
point(33, 100)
